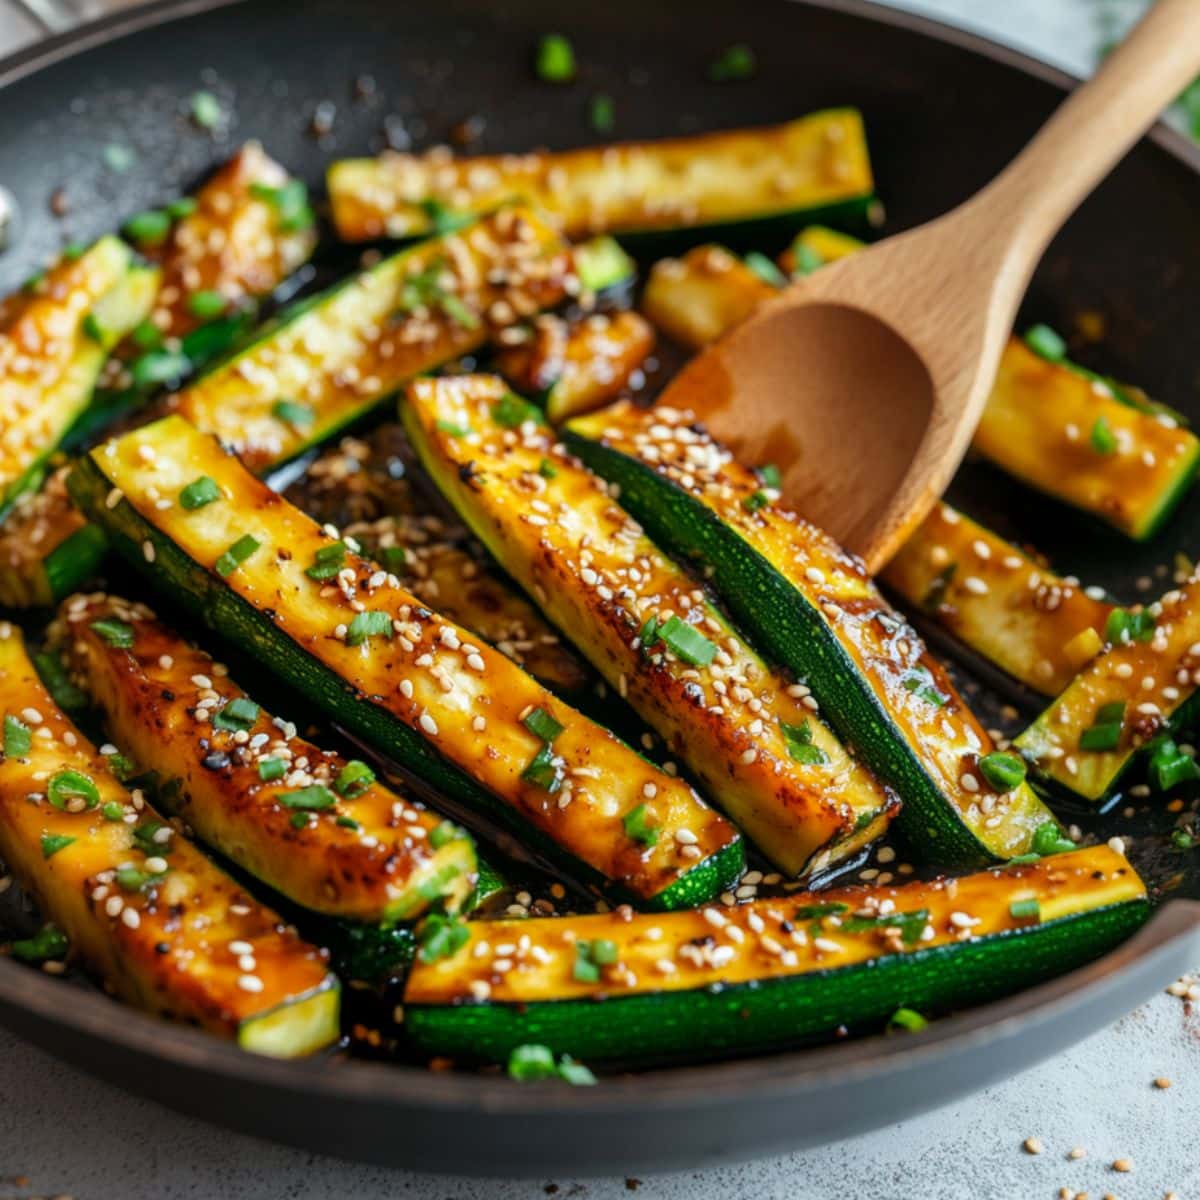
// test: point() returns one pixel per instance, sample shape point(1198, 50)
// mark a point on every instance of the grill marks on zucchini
point(573, 368)
point(361, 487)
point(646, 625)
point(54, 340)
point(1039, 424)
point(772, 972)
point(416, 685)
point(811, 608)
point(1015, 611)
point(334, 357)
point(165, 928)
point(740, 181)
point(1141, 688)
point(238, 776)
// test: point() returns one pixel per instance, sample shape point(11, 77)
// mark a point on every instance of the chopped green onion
point(511, 411)
point(112, 811)
point(546, 469)
point(18, 739)
point(205, 342)
point(1105, 731)
point(452, 429)
point(637, 826)
point(555, 62)
point(240, 713)
point(236, 555)
point(146, 335)
point(601, 264)
point(123, 768)
point(1182, 840)
point(392, 558)
point(199, 492)
point(347, 822)
point(134, 879)
point(310, 799)
point(271, 768)
point(207, 304)
point(298, 820)
point(911, 924)
point(687, 642)
point(1125, 626)
point(1046, 343)
point(73, 251)
point(1169, 766)
point(92, 329)
point(735, 63)
point(353, 779)
point(444, 219)
point(602, 113)
point(145, 837)
point(543, 771)
point(367, 625)
point(292, 413)
point(1002, 770)
point(443, 834)
point(72, 785)
point(457, 310)
point(435, 886)
point(149, 228)
point(115, 633)
point(183, 207)
point(648, 634)
point(327, 561)
point(574, 1073)
point(755, 501)
point(58, 683)
point(584, 970)
point(158, 367)
point(800, 744)
point(920, 682)
point(48, 943)
point(541, 724)
point(805, 259)
point(531, 1062)
point(765, 269)
point(206, 110)
point(1028, 909)
point(770, 476)
point(52, 843)
point(1103, 440)
point(907, 1019)
point(441, 937)
point(290, 202)
point(1049, 839)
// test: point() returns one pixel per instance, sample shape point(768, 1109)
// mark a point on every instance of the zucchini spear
point(752, 738)
point(771, 973)
point(811, 608)
point(345, 634)
point(163, 927)
point(320, 830)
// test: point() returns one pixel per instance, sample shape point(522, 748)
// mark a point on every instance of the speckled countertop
point(63, 1134)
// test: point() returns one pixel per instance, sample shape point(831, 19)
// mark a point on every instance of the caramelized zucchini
point(1139, 691)
point(334, 357)
point(811, 608)
point(162, 926)
point(347, 636)
point(320, 830)
point(1012, 609)
point(696, 298)
point(749, 735)
point(357, 482)
point(1067, 434)
point(54, 340)
point(814, 247)
point(771, 973)
point(574, 368)
point(751, 185)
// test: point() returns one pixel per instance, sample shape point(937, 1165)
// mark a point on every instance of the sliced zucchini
point(749, 736)
point(814, 247)
point(1142, 688)
point(164, 927)
point(320, 830)
point(574, 368)
point(54, 340)
point(697, 298)
point(248, 228)
point(347, 636)
point(812, 608)
point(747, 184)
point(770, 973)
point(355, 483)
point(1068, 434)
point(1012, 609)
point(336, 356)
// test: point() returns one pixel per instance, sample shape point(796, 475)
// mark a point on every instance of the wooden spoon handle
point(1091, 130)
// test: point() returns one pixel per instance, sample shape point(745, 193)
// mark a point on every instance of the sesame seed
point(130, 918)
point(250, 983)
point(428, 725)
point(1032, 1145)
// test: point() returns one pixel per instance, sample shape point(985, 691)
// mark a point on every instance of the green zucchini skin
point(206, 598)
point(791, 631)
point(779, 1012)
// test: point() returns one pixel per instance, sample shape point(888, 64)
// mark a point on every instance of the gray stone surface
point(73, 1136)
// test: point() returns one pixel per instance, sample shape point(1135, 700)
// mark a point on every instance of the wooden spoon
point(864, 382)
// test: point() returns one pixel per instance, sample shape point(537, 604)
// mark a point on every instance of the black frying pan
point(944, 112)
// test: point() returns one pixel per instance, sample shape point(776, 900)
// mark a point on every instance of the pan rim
point(680, 1088)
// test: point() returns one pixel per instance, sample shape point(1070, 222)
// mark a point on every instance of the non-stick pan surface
point(944, 112)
